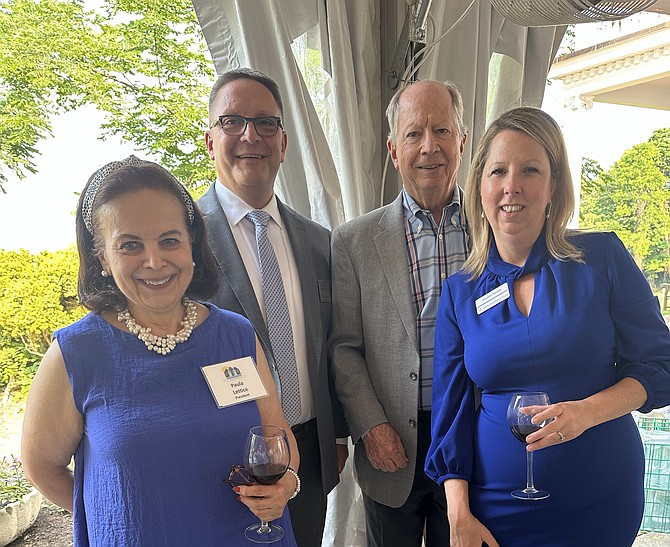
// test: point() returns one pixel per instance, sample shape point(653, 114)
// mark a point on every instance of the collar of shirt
point(244, 234)
point(418, 222)
point(236, 208)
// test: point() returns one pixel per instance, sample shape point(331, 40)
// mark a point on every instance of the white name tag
point(234, 382)
point(492, 298)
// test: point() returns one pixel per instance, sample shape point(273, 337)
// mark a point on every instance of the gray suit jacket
point(373, 344)
point(311, 246)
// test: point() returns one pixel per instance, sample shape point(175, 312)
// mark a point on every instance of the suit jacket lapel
point(230, 263)
point(392, 251)
point(299, 237)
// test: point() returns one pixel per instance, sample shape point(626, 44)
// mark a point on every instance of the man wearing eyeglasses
point(255, 237)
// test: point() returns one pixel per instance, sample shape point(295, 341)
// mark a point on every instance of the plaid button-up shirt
point(434, 253)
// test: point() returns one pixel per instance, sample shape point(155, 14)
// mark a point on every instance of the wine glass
point(266, 458)
point(521, 427)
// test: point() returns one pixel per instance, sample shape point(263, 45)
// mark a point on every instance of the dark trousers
point(308, 508)
point(425, 511)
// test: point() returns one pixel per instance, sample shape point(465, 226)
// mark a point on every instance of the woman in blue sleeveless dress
point(122, 390)
point(538, 308)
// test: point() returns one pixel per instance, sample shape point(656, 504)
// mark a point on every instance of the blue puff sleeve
point(450, 455)
point(642, 336)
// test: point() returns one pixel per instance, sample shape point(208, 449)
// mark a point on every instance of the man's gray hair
point(456, 100)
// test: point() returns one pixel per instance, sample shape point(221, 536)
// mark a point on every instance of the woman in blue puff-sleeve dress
point(540, 308)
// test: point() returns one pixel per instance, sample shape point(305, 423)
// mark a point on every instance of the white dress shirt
point(245, 238)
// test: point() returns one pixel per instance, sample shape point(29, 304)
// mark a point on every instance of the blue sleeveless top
point(150, 466)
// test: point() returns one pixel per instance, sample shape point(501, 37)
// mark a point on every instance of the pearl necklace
point(162, 344)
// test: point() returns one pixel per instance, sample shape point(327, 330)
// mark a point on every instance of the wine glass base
point(530, 494)
point(257, 534)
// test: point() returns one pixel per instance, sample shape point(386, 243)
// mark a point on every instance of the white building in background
point(613, 91)
point(631, 69)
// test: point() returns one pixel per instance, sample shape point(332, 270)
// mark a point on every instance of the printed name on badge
point(492, 298)
point(234, 382)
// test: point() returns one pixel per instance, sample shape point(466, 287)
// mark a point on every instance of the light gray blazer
point(311, 247)
point(373, 343)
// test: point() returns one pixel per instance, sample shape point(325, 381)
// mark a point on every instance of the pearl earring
point(104, 273)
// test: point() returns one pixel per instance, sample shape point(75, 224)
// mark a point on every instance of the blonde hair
point(542, 128)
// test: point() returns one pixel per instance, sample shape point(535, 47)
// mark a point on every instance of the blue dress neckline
point(538, 257)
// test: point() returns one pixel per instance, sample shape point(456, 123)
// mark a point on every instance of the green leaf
point(145, 65)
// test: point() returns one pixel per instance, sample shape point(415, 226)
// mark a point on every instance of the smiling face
point(516, 190)
point(246, 164)
point(148, 253)
point(428, 147)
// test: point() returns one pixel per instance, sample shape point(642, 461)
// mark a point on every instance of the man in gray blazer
point(247, 142)
point(388, 269)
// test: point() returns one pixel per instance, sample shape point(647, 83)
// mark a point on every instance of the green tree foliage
point(591, 170)
point(143, 63)
point(633, 199)
point(661, 138)
point(38, 294)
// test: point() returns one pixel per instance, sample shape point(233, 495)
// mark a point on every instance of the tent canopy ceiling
point(661, 6)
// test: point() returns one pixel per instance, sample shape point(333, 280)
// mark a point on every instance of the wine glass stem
point(265, 527)
point(530, 483)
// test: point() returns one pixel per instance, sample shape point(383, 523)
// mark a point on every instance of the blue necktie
point(277, 318)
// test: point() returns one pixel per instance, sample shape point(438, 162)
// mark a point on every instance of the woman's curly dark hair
point(100, 293)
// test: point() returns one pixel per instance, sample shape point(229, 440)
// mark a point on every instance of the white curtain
point(258, 34)
point(335, 174)
point(463, 55)
point(353, 98)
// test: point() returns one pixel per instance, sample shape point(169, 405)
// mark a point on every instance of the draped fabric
point(334, 174)
point(258, 34)
point(463, 56)
point(335, 171)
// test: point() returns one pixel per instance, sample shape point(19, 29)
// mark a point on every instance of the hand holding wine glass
point(266, 458)
point(521, 426)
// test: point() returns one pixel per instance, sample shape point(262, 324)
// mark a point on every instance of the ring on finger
point(560, 435)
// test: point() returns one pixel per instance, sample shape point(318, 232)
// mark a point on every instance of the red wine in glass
point(521, 431)
point(521, 426)
point(267, 473)
point(266, 458)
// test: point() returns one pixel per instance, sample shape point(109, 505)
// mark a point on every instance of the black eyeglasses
point(265, 126)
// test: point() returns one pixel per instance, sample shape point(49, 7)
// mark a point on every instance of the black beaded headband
point(102, 173)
